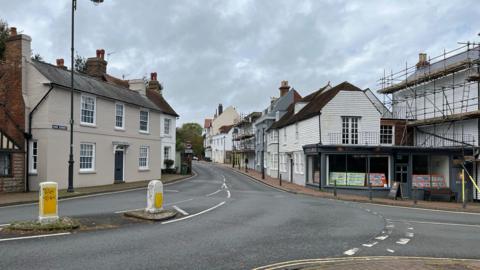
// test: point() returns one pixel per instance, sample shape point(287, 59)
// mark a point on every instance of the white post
point(154, 197)
point(48, 202)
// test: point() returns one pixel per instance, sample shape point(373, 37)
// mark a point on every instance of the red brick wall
point(16, 182)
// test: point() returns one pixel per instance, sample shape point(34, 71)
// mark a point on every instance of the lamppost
point(72, 72)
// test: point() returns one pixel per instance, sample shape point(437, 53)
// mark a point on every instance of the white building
point(222, 145)
point(212, 127)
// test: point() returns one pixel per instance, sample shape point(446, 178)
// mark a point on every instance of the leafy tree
point(80, 64)
point(168, 163)
point(190, 132)
point(37, 57)
point(4, 33)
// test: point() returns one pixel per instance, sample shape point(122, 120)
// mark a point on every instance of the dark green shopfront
point(421, 172)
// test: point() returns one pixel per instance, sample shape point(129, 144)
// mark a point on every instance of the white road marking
point(390, 250)
point(228, 194)
point(33, 236)
point(167, 204)
point(351, 252)
point(129, 210)
point(409, 234)
point(180, 210)
point(446, 224)
point(4, 225)
point(194, 215)
point(382, 237)
point(403, 241)
point(390, 226)
point(410, 228)
point(425, 209)
point(370, 244)
point(375, 213)
point(213, 193)
point(368, 210)
point(171, 190)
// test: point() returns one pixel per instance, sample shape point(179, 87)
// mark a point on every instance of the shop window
point(356, 170)
point(337, 170)
point(379, 171)
point(430, 175)
point(313, 169)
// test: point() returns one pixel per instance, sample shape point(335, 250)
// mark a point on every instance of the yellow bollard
point(154, 197)
point(48, 202)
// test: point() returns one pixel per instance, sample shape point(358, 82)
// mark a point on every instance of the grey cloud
point(236, 52)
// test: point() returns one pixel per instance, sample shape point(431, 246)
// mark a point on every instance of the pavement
point(234, 222)
point(30, 197)
point(473, 207)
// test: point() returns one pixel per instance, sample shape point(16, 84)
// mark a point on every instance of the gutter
point(319, 128)
point(28, 136)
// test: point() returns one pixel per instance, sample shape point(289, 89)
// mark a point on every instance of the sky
point(236, 52)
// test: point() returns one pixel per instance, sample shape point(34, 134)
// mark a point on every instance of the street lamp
point(72, 72)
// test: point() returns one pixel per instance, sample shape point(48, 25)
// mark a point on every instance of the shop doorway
point(401, 172)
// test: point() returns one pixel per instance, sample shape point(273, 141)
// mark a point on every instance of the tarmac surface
point(230, 221)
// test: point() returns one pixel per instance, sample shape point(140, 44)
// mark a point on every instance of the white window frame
point(140, 157)
point(384, 134)
point(82, 97)
point(283, 163)
point(350, 130)
point(166, 130)
point(33, 157)
point(165, 157)
point(122, 127)
point(140, 121)
point(92, 168)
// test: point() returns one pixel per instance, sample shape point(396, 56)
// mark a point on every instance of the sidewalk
point(30, 197)
point(377, 263)
point(294, 188)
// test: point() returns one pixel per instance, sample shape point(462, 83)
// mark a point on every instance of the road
point(234, 222)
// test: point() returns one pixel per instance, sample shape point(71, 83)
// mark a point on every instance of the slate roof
point(88, 84)
point(158, 99)
point(315, 102)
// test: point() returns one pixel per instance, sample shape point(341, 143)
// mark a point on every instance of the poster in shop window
point(356, 179)
point(340, 177)
point(423, 181)
point(378, 180)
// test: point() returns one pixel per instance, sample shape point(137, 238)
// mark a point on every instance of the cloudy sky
point(236, 52)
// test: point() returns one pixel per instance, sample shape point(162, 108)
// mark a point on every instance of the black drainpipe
point(28, 136)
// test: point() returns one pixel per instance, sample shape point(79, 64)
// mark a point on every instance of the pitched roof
point(225, 129)
point(158, 99)
point(88, 84)
point(315, 102)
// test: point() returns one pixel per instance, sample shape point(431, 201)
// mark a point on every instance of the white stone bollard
point(48, 202)
point(154, 197)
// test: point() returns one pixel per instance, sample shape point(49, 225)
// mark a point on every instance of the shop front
point(361, 170)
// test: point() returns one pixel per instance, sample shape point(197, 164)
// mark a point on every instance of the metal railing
point(360, 138)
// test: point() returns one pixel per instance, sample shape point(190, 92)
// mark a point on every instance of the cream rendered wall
point(54, 144)
point(228, 117)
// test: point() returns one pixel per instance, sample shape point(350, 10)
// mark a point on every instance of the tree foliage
point(80, 64)
point(190, 132)
point(4, 33)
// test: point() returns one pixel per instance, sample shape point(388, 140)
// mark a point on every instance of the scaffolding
point(436, 95)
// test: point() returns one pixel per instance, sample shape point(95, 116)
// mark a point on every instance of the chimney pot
point(60, 62)
point(422, 60)
point(284, 88)
point(13, 31)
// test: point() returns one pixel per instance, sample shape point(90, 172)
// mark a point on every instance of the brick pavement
point(291, 187)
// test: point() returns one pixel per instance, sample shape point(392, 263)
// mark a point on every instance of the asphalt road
point(234, 222)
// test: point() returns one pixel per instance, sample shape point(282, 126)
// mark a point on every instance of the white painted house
point(222, 145)
point(322, 118)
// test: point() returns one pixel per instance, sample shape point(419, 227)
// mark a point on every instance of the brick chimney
point(153, 84)
point(284, 88)
point(12, 104)
point(422, 60)
point(97, 66)
point(220, 109)
point(61, 63)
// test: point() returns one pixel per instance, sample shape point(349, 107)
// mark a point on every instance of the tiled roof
point(158, 99)
point(88, 84)
point(208, 123)
point(315, 102)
